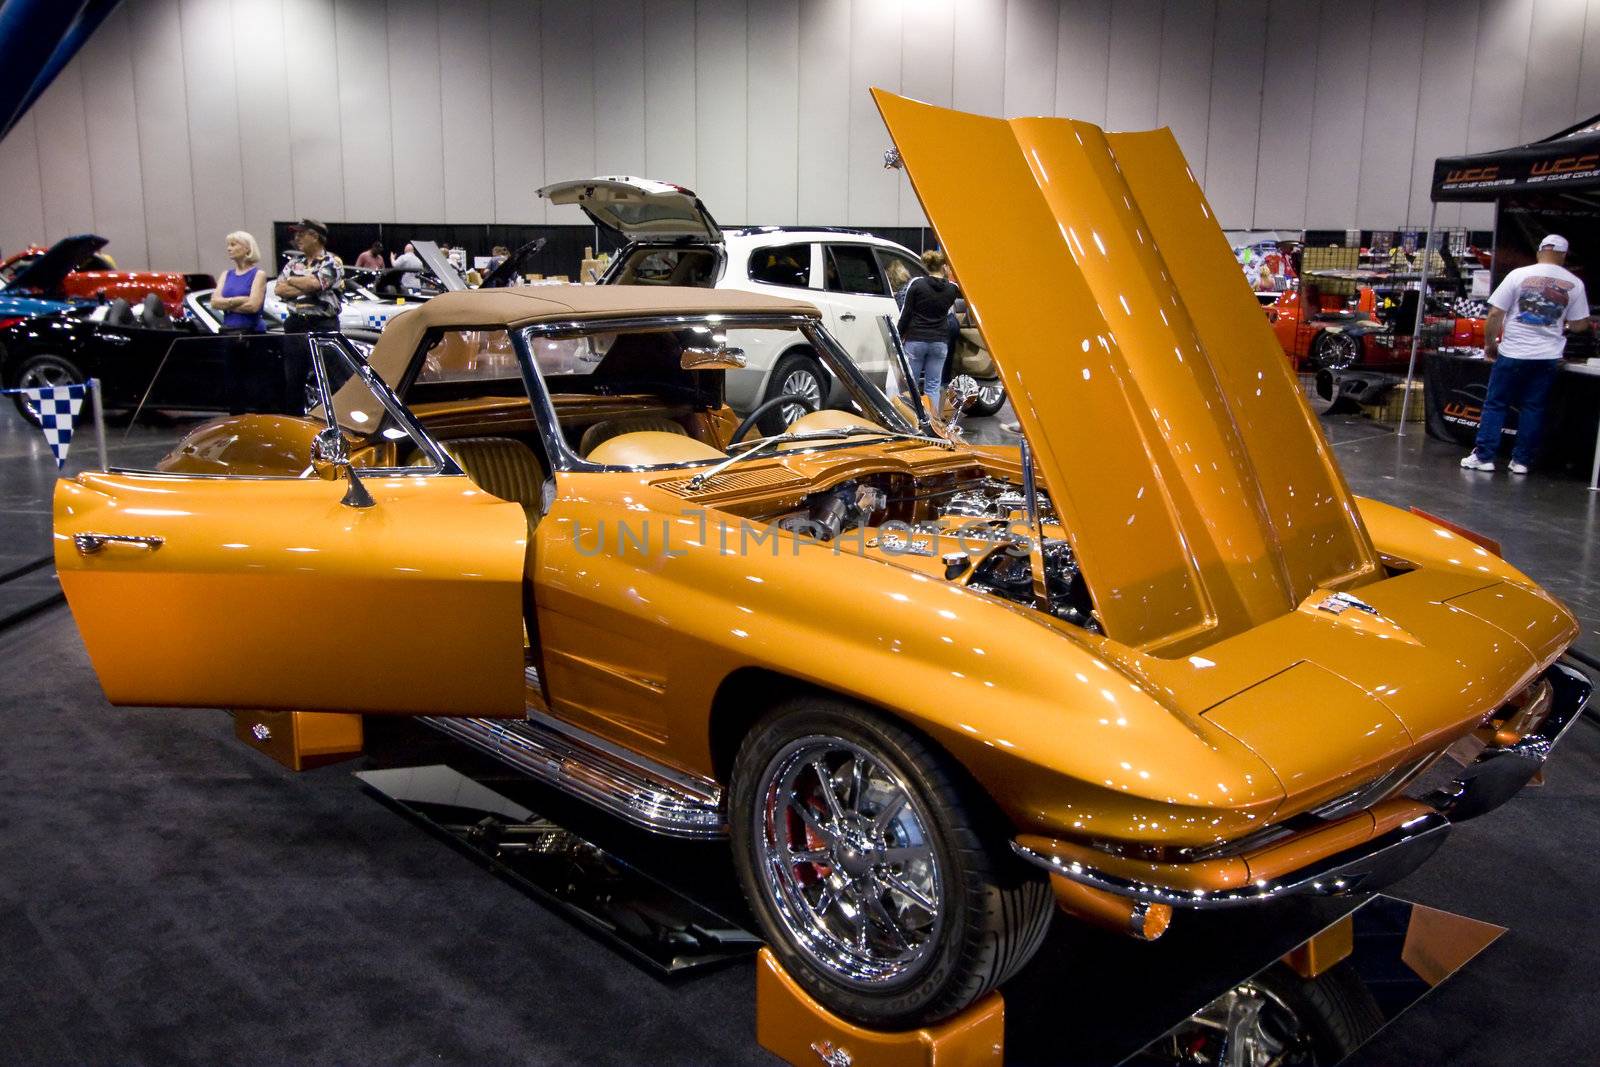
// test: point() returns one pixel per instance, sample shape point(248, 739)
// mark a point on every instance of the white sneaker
point(1517, 468)
point(1473, 463)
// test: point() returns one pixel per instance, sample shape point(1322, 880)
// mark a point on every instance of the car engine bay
point(972, 528)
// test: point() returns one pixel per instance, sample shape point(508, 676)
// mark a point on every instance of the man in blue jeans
point(1529, 316)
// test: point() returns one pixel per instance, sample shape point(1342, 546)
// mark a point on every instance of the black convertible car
point(145, 358)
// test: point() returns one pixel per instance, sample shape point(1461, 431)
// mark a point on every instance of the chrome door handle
point(847, 316)
point(90, 543)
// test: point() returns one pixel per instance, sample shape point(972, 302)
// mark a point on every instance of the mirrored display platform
point(642, 915)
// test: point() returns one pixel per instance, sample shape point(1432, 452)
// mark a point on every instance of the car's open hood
point(638, 208)
point(45, 274)
point(1199, 493)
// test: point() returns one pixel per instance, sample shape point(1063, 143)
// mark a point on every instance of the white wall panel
point(874, 191)
point(1083, 59)
point(1589, 64)
point(68, 197)
point(720, 113)
point(1183, 98)
point(773, 122)
point(164, 133)
point(669, 91)
point(311, 73)
point(569, 118)
point(22, 221)
point(619, 87)
point(113, 161)
point(466, 110)
point(210, 87)
point(1233, 127)
point(416, 111)
point(927, 73)
point(367, 156)
point(1338, 112)
point(1132, 85)
point(182, 119)
point(1555, 52)
point(262, 86)
point(1389, 128)
point(517, 104)
point(979, 82)
point(1444, 101)
point(1499, 73)
point(1030, 57)
point(824, 123)
point(1283, 165)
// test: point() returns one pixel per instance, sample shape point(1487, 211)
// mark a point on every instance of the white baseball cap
point(1555, 241)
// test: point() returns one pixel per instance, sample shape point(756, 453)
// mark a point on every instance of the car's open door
point(397, 591)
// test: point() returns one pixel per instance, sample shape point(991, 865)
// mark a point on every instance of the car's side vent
point(734, 482)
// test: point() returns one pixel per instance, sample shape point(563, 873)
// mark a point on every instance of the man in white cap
point(1530, 314)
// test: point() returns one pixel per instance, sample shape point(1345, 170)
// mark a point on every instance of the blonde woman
point(242, 288)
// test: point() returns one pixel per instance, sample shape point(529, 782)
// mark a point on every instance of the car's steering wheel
point(781, 400)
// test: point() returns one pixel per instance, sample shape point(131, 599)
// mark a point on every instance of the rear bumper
point(1365, 851)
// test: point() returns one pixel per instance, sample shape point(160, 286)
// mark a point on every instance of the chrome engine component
point(993, 499)
point(829, 513)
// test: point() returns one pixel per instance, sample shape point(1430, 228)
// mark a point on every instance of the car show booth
point(1547, 186)
point(946, 620)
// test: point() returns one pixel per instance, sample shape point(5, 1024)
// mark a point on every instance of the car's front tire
point(991, 398)
point(877, 875)
point(797, 373)
point(36, 371)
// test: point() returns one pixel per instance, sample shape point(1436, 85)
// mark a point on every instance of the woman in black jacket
point(924, 324)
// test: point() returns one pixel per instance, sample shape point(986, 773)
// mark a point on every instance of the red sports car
point(94, 277)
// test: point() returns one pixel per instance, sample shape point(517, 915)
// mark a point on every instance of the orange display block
point(794, 1027)
point(300, 739)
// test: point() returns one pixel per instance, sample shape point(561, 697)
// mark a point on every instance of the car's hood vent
point(734, 482)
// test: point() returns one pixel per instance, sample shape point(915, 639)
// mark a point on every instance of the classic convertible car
point(78, 272)
point(1159, 659)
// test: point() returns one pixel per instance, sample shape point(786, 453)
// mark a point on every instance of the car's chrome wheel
point(802, 381)
point(1335, 351)
point(39, 372)
point(44, 373)
point(847, 860)
point(880, 875)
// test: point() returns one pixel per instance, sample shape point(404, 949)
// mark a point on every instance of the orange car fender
point(637, 642)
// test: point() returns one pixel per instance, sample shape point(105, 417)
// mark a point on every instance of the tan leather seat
point(502, 467)
point(605, 431)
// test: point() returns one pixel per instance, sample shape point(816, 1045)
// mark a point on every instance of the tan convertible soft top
point(494, 308)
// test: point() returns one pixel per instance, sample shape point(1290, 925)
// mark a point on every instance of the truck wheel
point(878, 880)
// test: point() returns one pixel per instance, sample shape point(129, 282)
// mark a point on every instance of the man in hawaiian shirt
point(310, 285)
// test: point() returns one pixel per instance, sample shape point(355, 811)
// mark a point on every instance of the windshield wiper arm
point(765, 445)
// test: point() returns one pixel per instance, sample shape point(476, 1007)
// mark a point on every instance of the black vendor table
point(1455, 387)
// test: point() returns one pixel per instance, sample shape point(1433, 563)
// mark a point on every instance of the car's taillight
point(1476, 538)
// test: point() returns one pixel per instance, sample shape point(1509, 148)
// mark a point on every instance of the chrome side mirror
point(330, 457)
point(721, 358)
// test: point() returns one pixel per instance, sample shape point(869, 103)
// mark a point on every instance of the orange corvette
point(1161, 660)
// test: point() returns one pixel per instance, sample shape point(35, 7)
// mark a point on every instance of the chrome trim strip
point(1375, 863)
point(607, 777)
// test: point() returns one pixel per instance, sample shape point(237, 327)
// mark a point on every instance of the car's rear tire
point(904, 905)
point(1335, 351)
point(799, 373)
point(36, 371)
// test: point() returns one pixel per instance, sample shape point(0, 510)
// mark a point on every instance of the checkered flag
point(56, 406)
